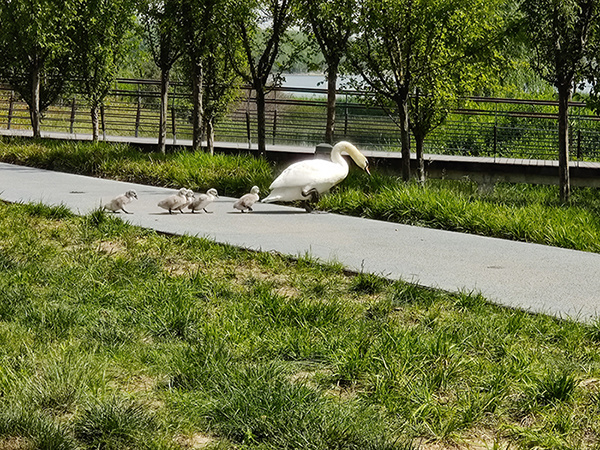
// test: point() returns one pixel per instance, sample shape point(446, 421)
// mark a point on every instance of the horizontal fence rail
point(497, 127)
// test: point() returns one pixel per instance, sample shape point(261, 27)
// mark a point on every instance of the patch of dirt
point(16, 443)
point(111, 247)
point(590, 383)
point(197, 440)
point(486, 442)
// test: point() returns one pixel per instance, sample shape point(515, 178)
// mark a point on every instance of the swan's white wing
point(309, 173)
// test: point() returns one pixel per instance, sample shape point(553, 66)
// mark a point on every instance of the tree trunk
point(332, 74)
point(564, 96)
point(210, 136)
point(164, 104)
point(419, 142)
point(198, 111)
point(402, 103)
point(34, 108)
point(95, 124)
point(261, 120)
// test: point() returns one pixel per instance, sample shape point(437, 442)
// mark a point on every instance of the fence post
point(248, 133)
point(495, 140)
point(346, 117)
point(173, 125)
point(11, 103)
point(275, 117)
point(73, 108)
point(103, 122)
point(138, 114)
point(579, 144)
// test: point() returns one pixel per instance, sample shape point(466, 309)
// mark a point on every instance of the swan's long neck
point(336, 155)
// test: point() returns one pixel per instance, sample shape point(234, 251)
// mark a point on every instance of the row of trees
point(416, 56)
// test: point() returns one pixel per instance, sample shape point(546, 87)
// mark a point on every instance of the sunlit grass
point(519, 212)
point(116, 337)
point(229, 174)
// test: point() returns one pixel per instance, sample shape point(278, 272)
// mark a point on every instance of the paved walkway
point(533, 277)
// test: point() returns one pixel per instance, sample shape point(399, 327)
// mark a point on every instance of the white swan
point(313, 177)
point(120, 201)
point(176, 202)
point(203, 200)
point(245, 202)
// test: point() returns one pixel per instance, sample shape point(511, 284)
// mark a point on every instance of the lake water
point(309, 80)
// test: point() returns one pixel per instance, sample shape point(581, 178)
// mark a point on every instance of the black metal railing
point(296, 116)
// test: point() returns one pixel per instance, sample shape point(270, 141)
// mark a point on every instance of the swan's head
point(213, 192)
point(360, 159)
point(189, 193)
point(131, 194)
point(183, 192)
point(255, 190)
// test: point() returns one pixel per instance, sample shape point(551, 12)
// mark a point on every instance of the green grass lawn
point(115, 337)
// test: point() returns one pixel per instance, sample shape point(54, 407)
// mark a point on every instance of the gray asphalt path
point(532, 277)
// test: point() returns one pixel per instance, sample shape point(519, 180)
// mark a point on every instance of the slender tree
point(261, 26)
point(34, 52)
point(562, 34)
point(161, 20)
point(400, 42)
point(198, 17)
point(332, 23)
point(428, 108)
point(213, 60)
point(99, 44)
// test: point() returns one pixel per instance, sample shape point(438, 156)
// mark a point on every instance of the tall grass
point(229, 174)
point(116, 337)
point(518, 212)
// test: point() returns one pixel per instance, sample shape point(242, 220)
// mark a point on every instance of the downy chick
point(203, 200)
point(247, 200)
point(119, 202)
point(176, 201)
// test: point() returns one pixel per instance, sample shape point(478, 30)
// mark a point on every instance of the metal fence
point(480, 127)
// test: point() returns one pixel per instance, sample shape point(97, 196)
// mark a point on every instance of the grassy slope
point(114, 337)
point(520, 212)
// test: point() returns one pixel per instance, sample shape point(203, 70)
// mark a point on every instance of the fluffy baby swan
point(203, 200)
point(246, 201)
point(313, 177)
point(189, 194)
point(175, 202)
point(119, 202)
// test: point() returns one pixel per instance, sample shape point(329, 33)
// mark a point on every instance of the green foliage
point(34, 51)
point(562, 37)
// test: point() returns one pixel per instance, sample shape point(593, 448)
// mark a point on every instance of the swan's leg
point(125, 211)
point(314, 197)
point(207, 212)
